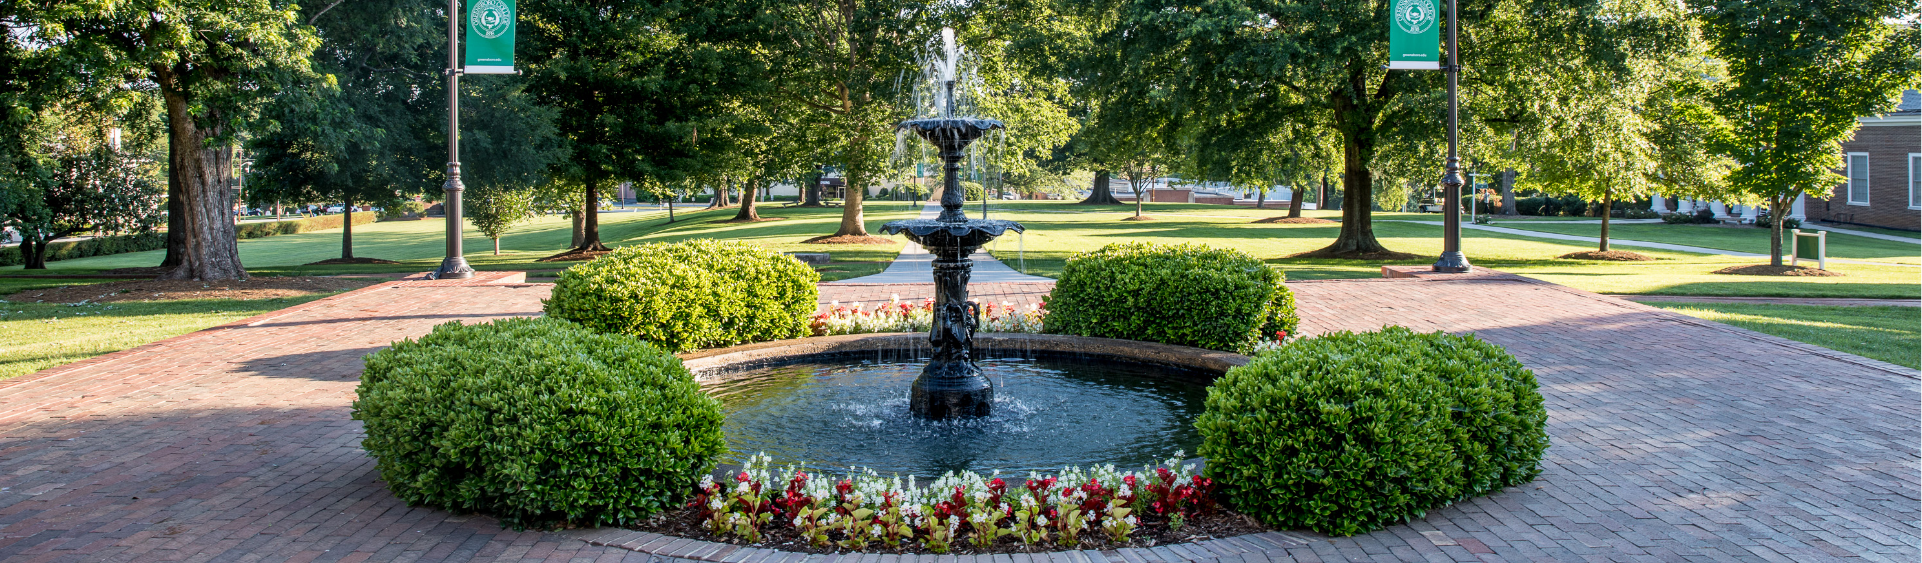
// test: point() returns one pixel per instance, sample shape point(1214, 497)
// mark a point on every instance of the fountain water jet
point(951, 385)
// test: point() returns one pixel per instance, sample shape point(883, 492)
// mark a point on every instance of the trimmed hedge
point(1184, 294)
point(297, 226)
point(690, 295)
point(100, 246)
point(538, 422)
point(1347, 433)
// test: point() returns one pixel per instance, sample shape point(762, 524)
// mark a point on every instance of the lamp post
point(454, 265)
point(1452, 260)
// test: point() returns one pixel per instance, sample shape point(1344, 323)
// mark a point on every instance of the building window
point(1915, 180)
point(1858, 173)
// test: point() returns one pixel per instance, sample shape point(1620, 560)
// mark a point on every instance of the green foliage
point(538, 422)
point(689, 295)
point(101, 246)
point(1346, 433)
point(495, 208)
point(1185, 294)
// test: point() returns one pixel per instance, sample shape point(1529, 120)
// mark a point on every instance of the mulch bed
point(1389, 256)
point(576, 255)
point(850, 239)
point(1296, 220)
point(143, 271)
point(754, 220)
point(1153, 531)
point(1767, 270)
point(334, 261)
point(1612, 255)
point(172, 290)
point(1138, 218)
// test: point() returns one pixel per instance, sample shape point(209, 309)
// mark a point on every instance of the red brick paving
point(1674, 439)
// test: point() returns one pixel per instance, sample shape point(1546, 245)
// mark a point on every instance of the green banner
point(490, 37)
point(1414, 38)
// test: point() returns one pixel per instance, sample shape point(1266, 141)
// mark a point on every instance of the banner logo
point(1412, 16)
point(491, 18)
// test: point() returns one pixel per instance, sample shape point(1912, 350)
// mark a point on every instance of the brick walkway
point(1674, 439)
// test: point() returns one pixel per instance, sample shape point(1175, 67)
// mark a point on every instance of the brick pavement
point(1675, 439)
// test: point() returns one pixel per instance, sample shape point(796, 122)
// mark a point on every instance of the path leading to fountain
point(1674, 439)
point(916, 264)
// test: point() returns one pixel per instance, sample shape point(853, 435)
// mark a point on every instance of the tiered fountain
point(951, 385)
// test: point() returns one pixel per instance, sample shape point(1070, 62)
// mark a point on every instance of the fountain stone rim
point(713, 364)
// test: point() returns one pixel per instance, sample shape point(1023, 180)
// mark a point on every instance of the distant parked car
point(336, 209)
point(1010, 196)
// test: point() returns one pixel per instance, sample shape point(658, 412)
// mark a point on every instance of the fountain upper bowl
point(942, 130)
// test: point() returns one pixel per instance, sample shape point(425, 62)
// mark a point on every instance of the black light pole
point(1452, 260)
point(454, 265)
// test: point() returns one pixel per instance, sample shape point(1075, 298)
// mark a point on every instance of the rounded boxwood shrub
point(1346, 433)
point(1186, 294)
point(690, 295)
point(537, 422)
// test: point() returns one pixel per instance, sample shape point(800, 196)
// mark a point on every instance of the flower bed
point(899, 316)
point(1099, 508)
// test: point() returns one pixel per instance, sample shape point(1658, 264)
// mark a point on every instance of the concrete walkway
point(916, 264)
point(1852, 232)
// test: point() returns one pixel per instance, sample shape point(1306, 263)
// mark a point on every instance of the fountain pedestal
point(951, 386)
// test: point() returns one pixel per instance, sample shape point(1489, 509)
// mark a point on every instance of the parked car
point(336, 209)
point(1010, 196)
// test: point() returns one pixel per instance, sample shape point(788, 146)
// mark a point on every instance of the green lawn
point(37, 336)
point(1889, 334)
point(1057, 230)
point(1739, 239)
point(418, 245)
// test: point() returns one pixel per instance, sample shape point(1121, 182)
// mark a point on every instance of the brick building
point(1883, 164)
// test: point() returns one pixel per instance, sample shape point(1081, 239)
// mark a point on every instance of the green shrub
point(297, 226)
point(1185, 294)
point(1346, 433)
point(538, 422)
point(689, 295)
point(1573, 206)
point(1529, 206)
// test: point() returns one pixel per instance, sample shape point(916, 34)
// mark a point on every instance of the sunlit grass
point(37, 336)
point(1890, 334)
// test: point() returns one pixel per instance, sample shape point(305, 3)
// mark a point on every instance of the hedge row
point(122, 244)
point(297, 226)
point(1183, 294)
point(102, 246)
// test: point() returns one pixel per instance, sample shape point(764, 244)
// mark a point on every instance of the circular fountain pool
point(1048, 413)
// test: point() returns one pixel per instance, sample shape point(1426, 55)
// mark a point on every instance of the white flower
point(1130, 520)
point(798, 521)
point(1040, 520)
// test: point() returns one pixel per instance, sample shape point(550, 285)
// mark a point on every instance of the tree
point(848, 56)
point(632, 82)
point(77, 181)
point(1272, 59)
point(213, 64)
point(494, 208)
point(1800, 72)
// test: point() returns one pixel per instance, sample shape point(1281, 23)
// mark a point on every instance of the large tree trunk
point(1295, 194)
point(206, 249)
point(811, 195)
point(1101, 193)
point(1508, 192)
point(579, 226)
point(1778, 209)
point(347, 230)
point(1261, 198)
point(1608, 200)
point(747, 212)
point(1357, 235)
point(591, 218)
point(853, 223)
point(34, 251)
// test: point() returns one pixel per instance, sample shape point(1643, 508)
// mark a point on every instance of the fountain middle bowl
point(829, 403)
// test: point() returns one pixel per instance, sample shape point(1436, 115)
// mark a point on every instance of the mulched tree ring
point(760, 220)
point(1295, 220)
point(1767, 270)
point(171, 290)
point(575, 255)
point(1389, 256)
point(337, 261)
point(1611, 255)
point(1138, 218)
point(850, 239)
